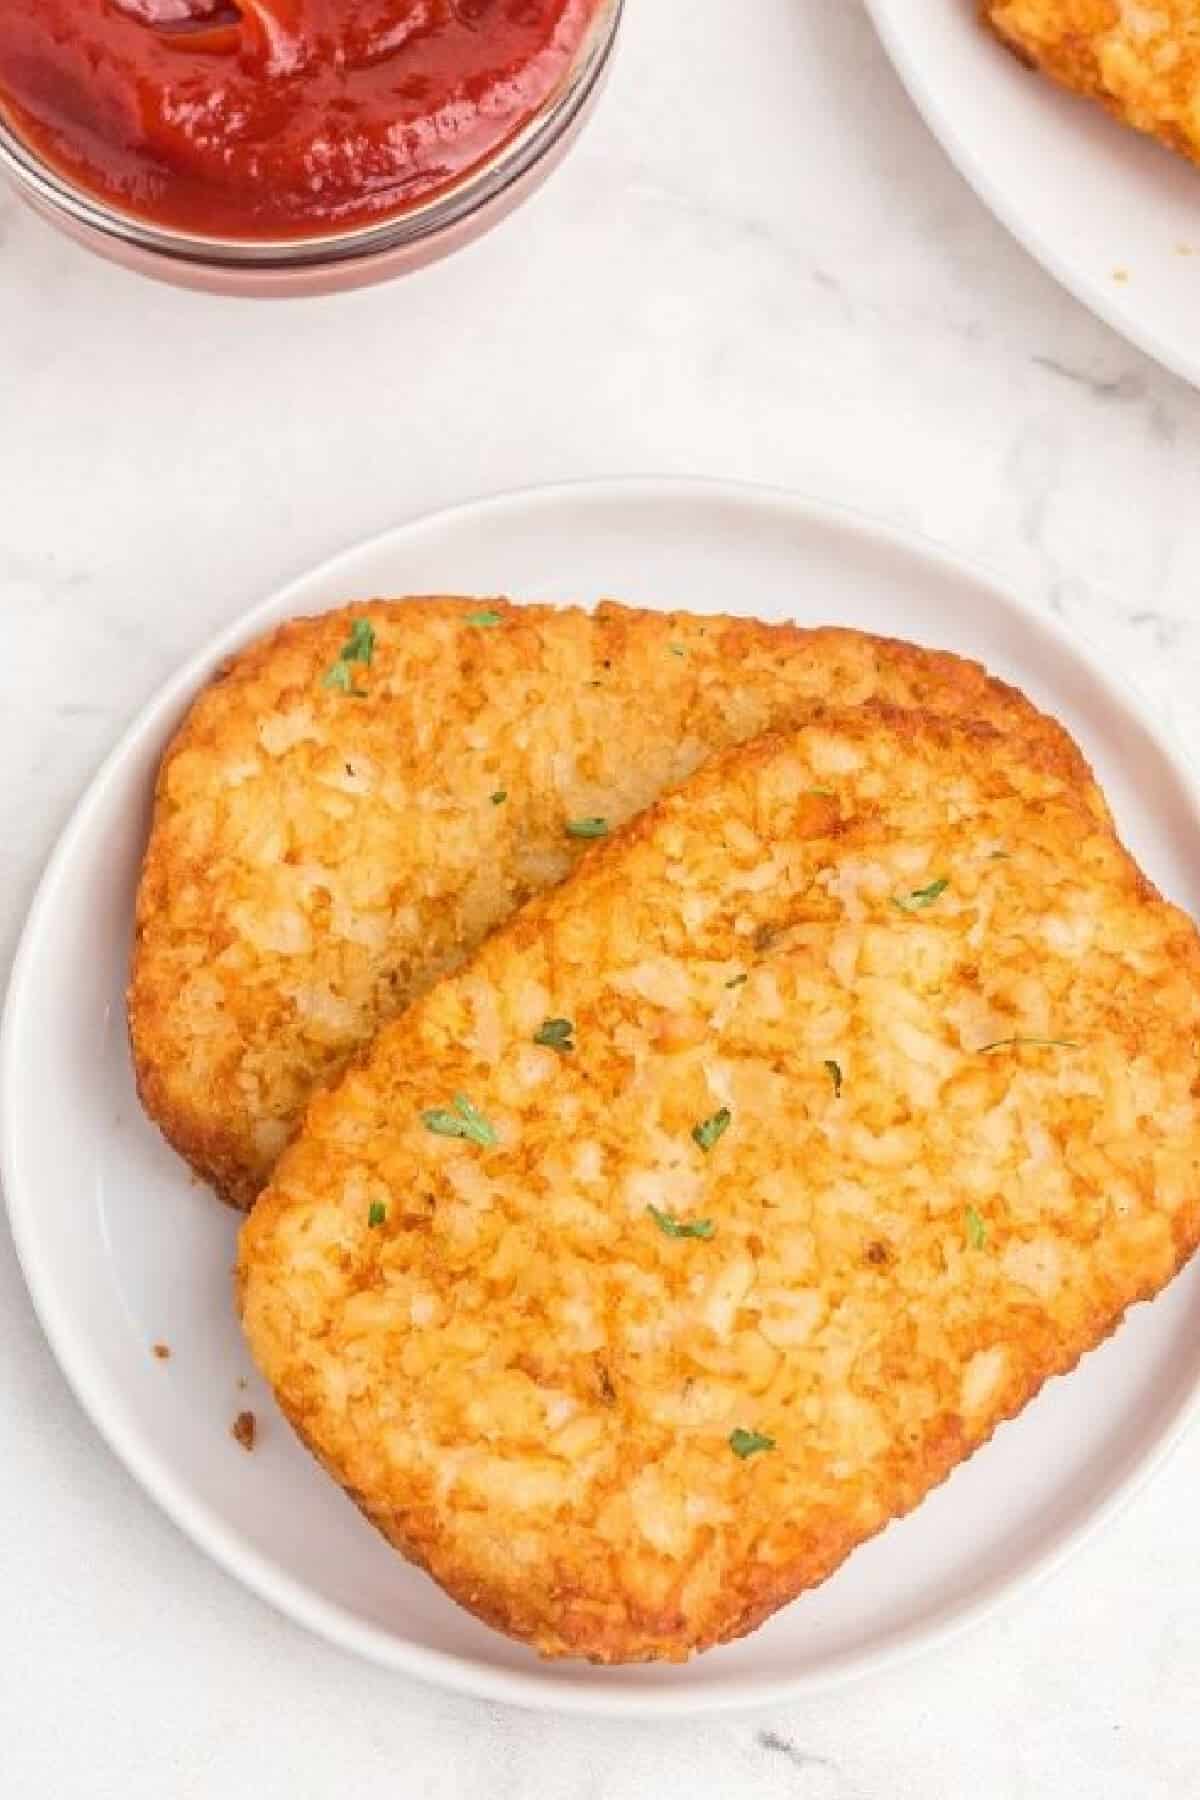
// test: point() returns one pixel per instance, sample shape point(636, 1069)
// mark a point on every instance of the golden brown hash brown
point(739, 1188)
point(1139, 59)
point(319, 855)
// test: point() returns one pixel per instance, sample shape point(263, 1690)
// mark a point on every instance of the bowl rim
point(478, 188)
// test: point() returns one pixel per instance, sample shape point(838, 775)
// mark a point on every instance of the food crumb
point(1121, 276)
point(242, 1382)
point(245, 1429)
point(608, 1392)
point(162, 1351)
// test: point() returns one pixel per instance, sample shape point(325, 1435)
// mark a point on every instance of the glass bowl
point(339, 260)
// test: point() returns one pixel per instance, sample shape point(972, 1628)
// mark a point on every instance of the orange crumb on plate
point(245, 1429)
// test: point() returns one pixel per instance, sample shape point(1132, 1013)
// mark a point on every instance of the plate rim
point(1107, 304)
point(615, 1693)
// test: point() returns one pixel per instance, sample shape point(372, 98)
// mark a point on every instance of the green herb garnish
point(487, 620)
point(1037, 1042)
point(1000, 856)
point(677, 649)
point(749, 1443)
point(834, 1072)
point(466, 1121)
point(360, 645)
point(358, 648)
point(587, 828)
point(709, 1131)
point(500, 796)
point(377, 1214)
point(737, 981)
point(555, 1034)
point(976, 1229)
point(678, 1228)
point(920, 898)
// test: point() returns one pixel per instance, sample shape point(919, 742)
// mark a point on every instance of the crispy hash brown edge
point(602, 1633)
point(216, 1147)
point(1073, 63)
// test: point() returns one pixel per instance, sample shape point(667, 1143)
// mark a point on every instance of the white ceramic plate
point(1113, 216)
point(121, 1248)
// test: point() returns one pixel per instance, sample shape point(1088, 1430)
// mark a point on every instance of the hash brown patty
point(358, 799)
point(1141, 60)
point(739, 1188)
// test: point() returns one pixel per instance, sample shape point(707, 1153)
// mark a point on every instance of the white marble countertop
point(798, 290)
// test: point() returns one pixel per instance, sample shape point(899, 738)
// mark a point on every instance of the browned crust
point(603, 1634)
point(557, 1607)
point(786, 670)
point(1066, 40)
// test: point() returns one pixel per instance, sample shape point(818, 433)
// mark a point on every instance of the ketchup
point(277, 118)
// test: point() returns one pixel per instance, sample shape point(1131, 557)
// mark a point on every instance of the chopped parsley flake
point(1000, 856)
point(377, 1214)
point(677, 649)
point(834, 1072)
point(500, 796)
point(1037, 1042)
point(749, 1443)
point(358, 648)
point(920, 898)
point(737, 981)
point(587, 828)
point(678, 1228)
point(707, 1133)
point(466, 1121)
point(976, 1229)
point(487, 620)
point(360, 645)
point(555, 1034)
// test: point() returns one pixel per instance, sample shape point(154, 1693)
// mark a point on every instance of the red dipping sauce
point(271, 119)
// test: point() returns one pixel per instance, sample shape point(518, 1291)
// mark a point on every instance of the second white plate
point(121, 1249)
point(1112, 215)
